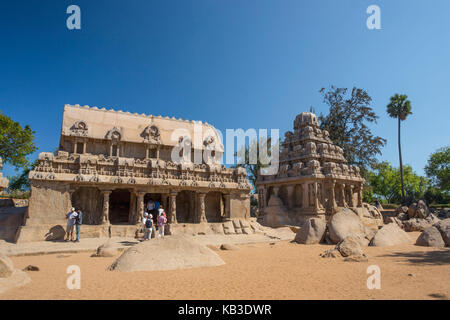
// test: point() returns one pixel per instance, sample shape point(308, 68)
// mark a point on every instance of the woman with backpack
point(148, 226)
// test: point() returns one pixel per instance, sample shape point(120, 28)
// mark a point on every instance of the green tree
point(20, 181)
point(16, 143)
point(253, 169)
point(385, 182)
point(347, 122)
point(399, 108)
point(438, 169)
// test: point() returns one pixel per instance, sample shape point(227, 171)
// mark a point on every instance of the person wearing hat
point(147, 226)
point(161, 220)
point(70, 223)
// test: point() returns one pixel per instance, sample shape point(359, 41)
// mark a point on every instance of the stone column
point(105, 217)
point(342, 190)
point(84, 146)
point(202, 207)
point(75, 146)
point(192, 213)
point(305, 194)
point(290, 194)
point(351, 198)
point(316, 197)
point(147, 152)
point(140, 207)
point(333, 204)
point(227, 206)
point(173, 207)
point(360, 195)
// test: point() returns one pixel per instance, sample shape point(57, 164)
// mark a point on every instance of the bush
point(440, 206)
point(16, 194)
point(390, 205)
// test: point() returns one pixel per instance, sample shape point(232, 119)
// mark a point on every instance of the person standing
point(70, 222)
point(161, 222)
point(78, 223)
point(148, 227)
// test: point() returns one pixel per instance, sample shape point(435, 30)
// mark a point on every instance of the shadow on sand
point(437, 258)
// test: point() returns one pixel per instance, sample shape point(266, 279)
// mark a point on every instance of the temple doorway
point(119, 206)
point(157, 197)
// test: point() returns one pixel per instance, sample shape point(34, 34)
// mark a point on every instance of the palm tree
point(399, 108)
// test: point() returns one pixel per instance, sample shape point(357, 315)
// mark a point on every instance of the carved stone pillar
point(316, 197)
point(290, 193)
point(147, 152)
point(305, 193)
point(351, 198)
point(342, 191)
point(333, 204)
point(84, 146)
point(140, 207)
point(227, 206)
point(75, 146)
point(105, 216)
point(173, 208)
point(192, 213)
point(360, 195)
point(202, 207)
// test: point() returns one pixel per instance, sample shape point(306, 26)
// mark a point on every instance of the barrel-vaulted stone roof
point(103, 124)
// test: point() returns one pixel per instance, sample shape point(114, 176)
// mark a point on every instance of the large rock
point(105, 250)
point(419, 210)
point(444, 228)
point(416, 224)
point(390, 235)
point(166, 253)
point(349, 247)
point(345, 223)
point(6, 267)
point(312, 231)
point(431, 237)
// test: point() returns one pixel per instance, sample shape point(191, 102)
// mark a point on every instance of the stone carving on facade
point(79, 129)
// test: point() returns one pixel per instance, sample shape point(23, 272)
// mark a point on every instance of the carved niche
point(79, 129)
point(114, 134)
point(151, 134)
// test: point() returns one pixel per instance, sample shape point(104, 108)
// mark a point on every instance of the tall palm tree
point(399, 108)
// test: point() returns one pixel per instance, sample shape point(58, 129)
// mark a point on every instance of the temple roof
point(103, 124)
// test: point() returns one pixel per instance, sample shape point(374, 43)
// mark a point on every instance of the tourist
point(144, 220)
point(78, 223)
point(70, 222)
point(150, 205)
point(161, 221)
point(148, 227)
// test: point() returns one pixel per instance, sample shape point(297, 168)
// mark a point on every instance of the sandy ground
point(282, 270)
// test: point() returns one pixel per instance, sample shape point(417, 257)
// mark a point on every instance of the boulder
point(401, 209)
point(105, 250)
point(390, 235)
point(31, 268)
point(343, 224)
point(444, 228)
point(402, 216)
point(6, 267)
point(349, 247)
point(312, 231)
point(228, 246)
point(415, 224)
point(166, 253)
point(431, 237)
point(419, 210)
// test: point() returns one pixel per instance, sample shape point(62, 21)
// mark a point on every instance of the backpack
point(148, 223)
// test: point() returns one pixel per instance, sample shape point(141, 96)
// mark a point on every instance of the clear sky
point(233, 63)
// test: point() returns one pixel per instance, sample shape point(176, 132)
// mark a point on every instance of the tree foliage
point(438, 169)
point(20, 181)
point(347, 122)
point(385, 182)
point(16, 142)
point(253, 169)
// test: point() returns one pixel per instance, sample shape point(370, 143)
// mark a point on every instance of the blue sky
point(234, 63)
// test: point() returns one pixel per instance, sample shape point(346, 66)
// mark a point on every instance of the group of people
point(74, 220)
point(154, 218)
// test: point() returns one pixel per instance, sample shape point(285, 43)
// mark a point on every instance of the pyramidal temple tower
point(313, 178)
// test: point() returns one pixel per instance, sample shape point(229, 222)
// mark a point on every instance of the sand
point(282, 270)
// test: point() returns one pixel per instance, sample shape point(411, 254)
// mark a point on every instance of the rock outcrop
point(419, 210)
point(431, 237)
point(349, 248)
point(390, 235)
point(436, 235)
point(346, 223)
point(166, 253)
point(312, 231)
point(105, 250)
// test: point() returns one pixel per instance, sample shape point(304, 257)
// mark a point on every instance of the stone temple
point(110, 163)
point(313, 179)
point(3, 181)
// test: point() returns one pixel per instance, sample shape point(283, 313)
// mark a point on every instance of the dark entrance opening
point(155, 197)
point(119, 206)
